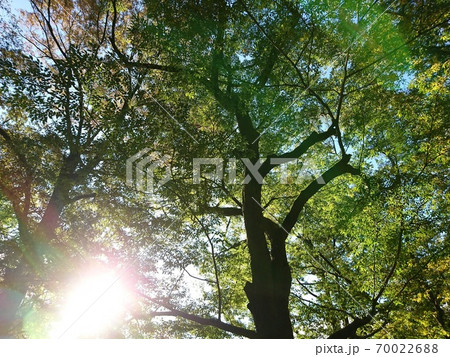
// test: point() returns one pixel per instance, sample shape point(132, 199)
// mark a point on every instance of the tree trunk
point(12, 293)
point(268, 293)
point(15, 283)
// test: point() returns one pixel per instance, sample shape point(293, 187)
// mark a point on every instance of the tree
point(337, 249)
point(52, 148)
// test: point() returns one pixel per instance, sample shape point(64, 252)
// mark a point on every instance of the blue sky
point(20, 4)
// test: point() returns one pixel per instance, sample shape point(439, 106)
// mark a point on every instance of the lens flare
point(94, 308)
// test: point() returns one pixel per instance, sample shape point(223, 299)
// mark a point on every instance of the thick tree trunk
point(268, 293)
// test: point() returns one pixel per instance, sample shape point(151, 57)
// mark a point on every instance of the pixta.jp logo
point(141, 167)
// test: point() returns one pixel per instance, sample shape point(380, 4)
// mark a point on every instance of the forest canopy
point(224, 169)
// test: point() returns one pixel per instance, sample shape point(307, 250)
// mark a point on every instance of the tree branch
point(83, 196)
point(349, 331)
point(124, 58)
point(224, 211)
point(392, 270)
point(340, 168)
point(312, 139)
point(240, 331)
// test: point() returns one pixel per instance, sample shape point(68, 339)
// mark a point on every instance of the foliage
point(356, 91)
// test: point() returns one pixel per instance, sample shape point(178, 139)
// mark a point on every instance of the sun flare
point(93, 307)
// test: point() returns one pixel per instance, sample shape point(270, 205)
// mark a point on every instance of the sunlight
point(93, 308)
